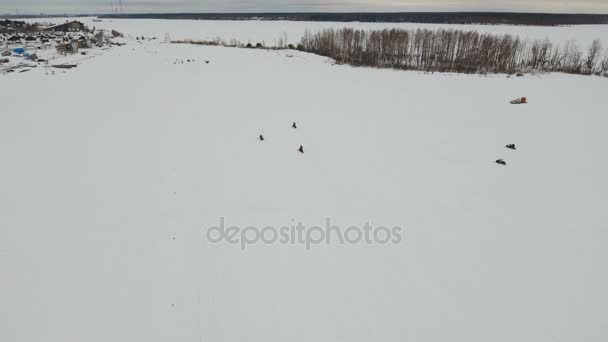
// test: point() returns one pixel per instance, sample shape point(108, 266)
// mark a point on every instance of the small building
point(72, 26)
point(83, 42)
point(71, 47)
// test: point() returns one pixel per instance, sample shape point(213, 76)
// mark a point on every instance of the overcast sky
point(141, 6)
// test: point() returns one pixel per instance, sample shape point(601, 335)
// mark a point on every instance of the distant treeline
point(544, 19)
point(10, 26)
point(443, 50)
point(453, 51)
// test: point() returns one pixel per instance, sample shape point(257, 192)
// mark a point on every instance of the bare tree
point(450, 50)
point(593, 55)
point(604, 63)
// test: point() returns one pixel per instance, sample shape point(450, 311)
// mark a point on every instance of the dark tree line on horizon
point(449, 50)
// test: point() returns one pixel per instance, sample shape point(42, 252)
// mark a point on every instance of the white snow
point(270, 31)
point(112, 172)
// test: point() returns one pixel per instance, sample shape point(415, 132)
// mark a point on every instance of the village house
point(14, 39)
point(82, 41)
point(72, 26)
point(71, 47)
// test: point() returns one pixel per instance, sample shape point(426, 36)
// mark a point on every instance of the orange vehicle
point(521, 100)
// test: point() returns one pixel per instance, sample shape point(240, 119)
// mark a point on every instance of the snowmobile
point(521, 100)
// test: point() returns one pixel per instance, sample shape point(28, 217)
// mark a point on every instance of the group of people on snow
point(294, 126)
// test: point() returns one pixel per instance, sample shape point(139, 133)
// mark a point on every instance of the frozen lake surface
point(113, 172)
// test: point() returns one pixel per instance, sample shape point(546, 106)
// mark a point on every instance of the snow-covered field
point(269, 31)
point(112, 173)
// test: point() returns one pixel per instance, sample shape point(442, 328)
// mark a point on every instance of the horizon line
point(299, 12)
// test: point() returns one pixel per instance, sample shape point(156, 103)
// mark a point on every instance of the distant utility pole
point(116, 7)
